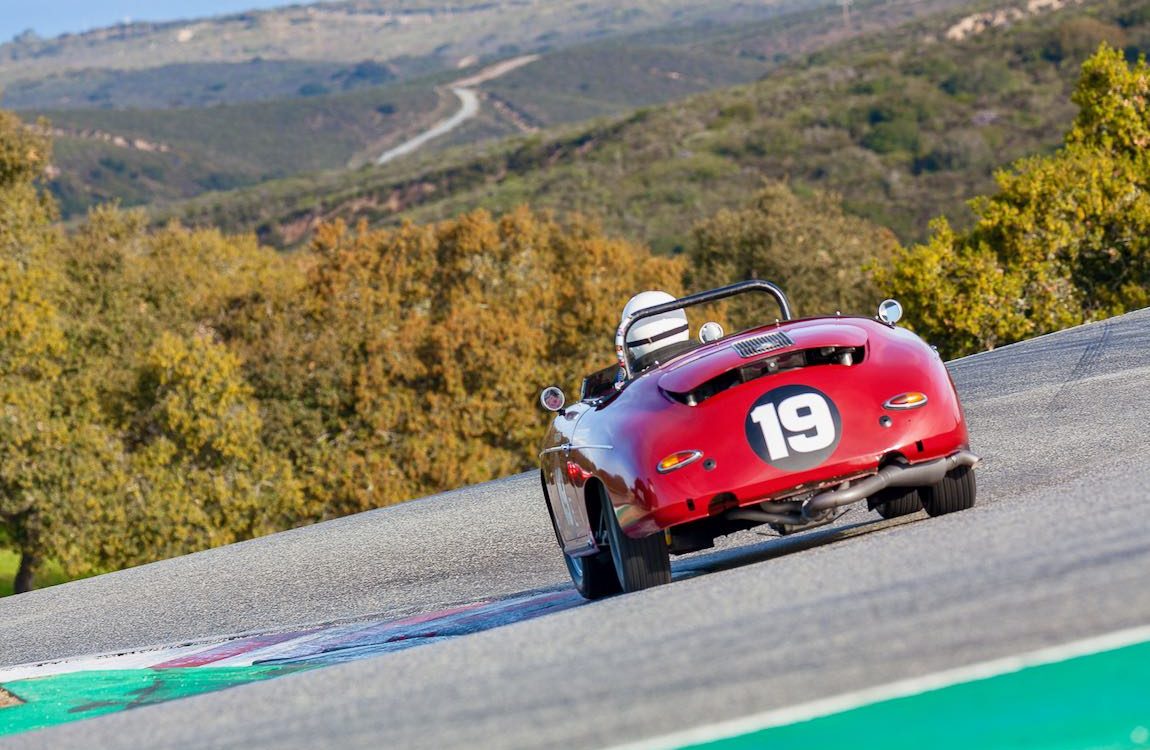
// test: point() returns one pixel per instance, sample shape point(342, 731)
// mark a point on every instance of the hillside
point(905, 124)
point(439, 33)
point(212, 148)
point(187, 85)
point(320, 126)
point(220, 124)
point(227, 146)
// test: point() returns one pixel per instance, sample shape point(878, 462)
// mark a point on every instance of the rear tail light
point(678, 460)
point(911, 400)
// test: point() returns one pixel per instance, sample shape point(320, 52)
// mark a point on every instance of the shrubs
point(169, 390)
point(166, 390)
point(1064, 241)
point(821, 256)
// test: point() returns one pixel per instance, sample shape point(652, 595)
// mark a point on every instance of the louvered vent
point(759, 344)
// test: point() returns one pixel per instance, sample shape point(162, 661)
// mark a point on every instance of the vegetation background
point(166, 388)
point(904, 122)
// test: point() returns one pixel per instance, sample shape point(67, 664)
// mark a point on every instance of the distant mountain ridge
point(904, 124)
point(230, 124)
point(357, 30)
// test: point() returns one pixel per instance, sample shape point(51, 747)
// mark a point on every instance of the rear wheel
point(955, 492)
point(639, 563)
point(594, 575)
point(897, 501)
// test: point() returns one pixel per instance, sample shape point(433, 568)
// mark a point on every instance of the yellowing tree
point(200, 476)
point(58, 464)
point(129, 434)
point(1066, 240)
point(412, 360)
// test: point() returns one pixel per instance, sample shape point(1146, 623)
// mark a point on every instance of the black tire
point(639, 563)
point(594, 576)
point(955, 492)
point(897, 501)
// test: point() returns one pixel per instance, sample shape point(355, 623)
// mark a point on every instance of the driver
point(649, 335)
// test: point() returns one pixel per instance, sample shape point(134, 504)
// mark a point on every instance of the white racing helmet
point(651, 334)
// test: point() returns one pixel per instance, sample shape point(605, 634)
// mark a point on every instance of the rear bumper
point(834, 492)
point(817, 507)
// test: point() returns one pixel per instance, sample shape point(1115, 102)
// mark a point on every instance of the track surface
point(1057, 549)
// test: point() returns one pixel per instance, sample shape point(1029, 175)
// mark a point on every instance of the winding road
point(469, 107)
point(464, 90)
point(1057, 550)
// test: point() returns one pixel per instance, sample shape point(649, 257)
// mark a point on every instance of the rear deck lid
point(688, 373)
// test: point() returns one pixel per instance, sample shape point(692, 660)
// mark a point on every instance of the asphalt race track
point(1058, 549)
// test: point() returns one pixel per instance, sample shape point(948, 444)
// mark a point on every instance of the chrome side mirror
point(890, 311)
point(711, 331)
point(552, 399)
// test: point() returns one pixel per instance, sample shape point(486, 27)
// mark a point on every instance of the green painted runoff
point(58, 699)
point(1095, 702)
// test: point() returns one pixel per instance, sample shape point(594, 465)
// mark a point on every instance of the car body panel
point(688, 372)
point(619, 440)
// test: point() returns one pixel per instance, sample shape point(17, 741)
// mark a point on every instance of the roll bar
point(698, 298)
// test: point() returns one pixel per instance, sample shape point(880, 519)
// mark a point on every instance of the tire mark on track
point(1082, 369)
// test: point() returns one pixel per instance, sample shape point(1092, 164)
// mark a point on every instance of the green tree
point(1065, 240)
point(817, 253)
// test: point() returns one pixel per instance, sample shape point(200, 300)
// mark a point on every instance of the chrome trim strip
point(767, 342)
point(581, 547)
point(568, 447)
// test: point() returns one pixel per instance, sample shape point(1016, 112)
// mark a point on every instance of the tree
point(820, 255)
point(411, 360)
point(200, 476)
point(127, 433)
point(57, 462)
point(1065, 240)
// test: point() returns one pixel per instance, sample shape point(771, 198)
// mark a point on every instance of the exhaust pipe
point(783, 512)
point(762, 516)
point(894, 475)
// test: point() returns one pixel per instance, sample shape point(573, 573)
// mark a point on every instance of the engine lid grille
point(748, 348)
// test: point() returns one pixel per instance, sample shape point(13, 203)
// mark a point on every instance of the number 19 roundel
point(794, 427)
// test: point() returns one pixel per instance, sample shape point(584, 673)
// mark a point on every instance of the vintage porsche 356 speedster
point(682, 441)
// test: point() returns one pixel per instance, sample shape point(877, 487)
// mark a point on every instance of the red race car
point(785, 424)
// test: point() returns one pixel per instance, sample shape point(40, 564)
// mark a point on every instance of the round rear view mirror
point(890, 311)
point(711, 331)
point(552, 398)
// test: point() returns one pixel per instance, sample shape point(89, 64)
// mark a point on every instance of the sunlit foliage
point(821, 256)
point(411, 358)
point(1066, 239)
point(167, 390)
